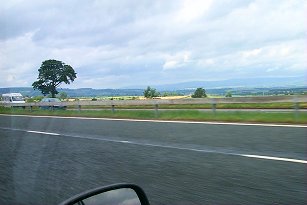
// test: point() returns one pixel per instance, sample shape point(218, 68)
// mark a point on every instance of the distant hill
point(25, 91)
point(81, 92)
point(89, 92)
point(234, 83)
point(250, 86)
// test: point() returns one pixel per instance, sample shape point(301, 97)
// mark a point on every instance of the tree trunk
point(53, 92)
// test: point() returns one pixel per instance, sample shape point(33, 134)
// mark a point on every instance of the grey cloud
point(140, 39)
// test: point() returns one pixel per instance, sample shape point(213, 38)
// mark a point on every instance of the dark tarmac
point(174, 163)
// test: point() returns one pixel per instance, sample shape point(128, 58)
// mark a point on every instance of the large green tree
point(199, 93)
point(228, 94)
point(150, 92)
point(51, 74)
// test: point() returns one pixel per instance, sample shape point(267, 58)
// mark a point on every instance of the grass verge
point(208, 106)
point(191, 115)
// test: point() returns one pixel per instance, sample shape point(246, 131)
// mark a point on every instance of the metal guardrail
point(156, 102)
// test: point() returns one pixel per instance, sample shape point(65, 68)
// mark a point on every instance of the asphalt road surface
point(46, 160)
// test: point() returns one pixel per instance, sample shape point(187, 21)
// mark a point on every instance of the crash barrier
point(155, 103)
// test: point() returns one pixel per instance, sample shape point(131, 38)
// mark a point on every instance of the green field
point(208, 106)
point(191, 115)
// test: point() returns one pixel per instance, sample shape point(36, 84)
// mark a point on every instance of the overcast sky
point(113, 44)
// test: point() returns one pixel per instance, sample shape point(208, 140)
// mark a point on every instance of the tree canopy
point(199, 93)
point(51, 74)
point(150, 92)
point(62, 95)
point(228, 94)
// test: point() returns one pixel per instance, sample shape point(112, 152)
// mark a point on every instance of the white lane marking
point(169, 147)
point(275, 158)
point(164, 121)
point(220, 152)
point(44, 133)
point(124, 141)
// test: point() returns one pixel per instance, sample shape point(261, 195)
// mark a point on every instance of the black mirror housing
point(93, 192)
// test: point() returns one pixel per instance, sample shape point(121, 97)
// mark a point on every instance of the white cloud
point(174, 41)
point(192, 10)
point(251, 53)
point(20, 58)
point(177, 60)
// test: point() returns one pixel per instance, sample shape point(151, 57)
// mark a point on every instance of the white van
point(12, 98)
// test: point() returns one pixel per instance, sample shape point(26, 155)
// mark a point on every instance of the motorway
point(44, 160)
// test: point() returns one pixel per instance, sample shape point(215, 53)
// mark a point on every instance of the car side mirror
point(118, 194)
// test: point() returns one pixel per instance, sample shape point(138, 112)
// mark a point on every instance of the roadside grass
point(237, 116)
point(302, 105)
point(190, 115)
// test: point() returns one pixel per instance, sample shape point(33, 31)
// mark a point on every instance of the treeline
point(89, 92)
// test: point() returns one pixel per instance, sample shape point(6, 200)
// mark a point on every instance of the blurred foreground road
point(46, 160)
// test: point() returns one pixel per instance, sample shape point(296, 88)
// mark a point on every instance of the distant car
point(56, 104)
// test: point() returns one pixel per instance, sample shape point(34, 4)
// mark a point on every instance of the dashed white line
point(167, 146)
point(124, 141)
point(44, 133)
point(275, 158)
point(225, 153)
